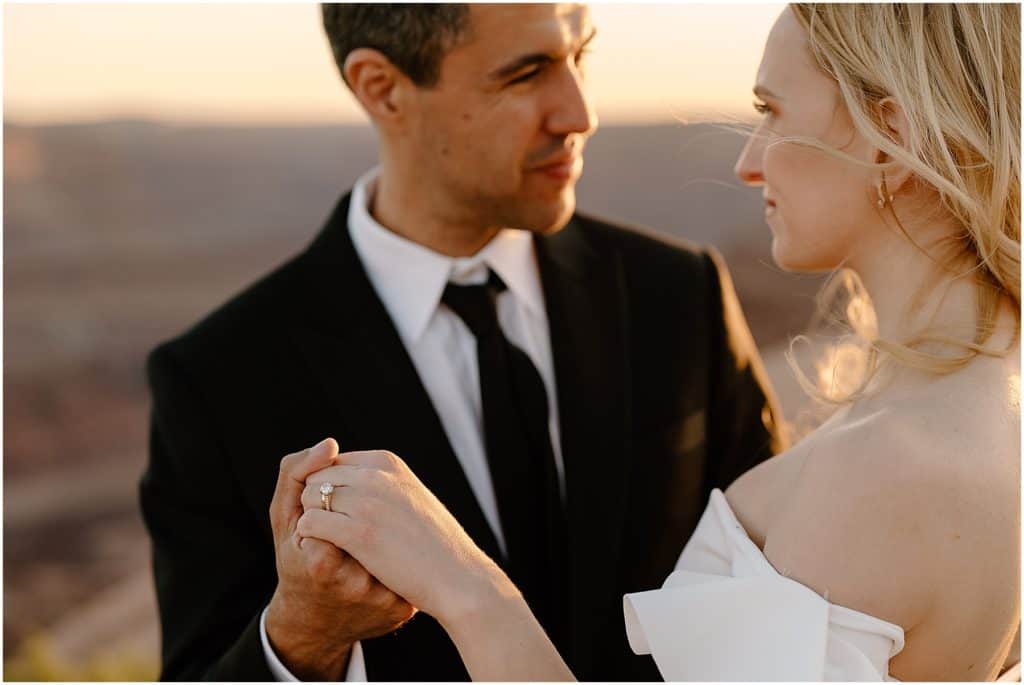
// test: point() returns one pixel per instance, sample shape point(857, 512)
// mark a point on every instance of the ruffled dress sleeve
point(726, 614)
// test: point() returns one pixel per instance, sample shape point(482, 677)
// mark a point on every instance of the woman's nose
point(748, 166)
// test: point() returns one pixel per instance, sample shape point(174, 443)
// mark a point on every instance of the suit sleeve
point(210, 553)
point(745, 424)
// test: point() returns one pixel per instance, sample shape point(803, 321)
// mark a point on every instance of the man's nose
point(571, 111)
point(748, 166)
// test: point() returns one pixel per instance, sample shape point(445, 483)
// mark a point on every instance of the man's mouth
point(561, 168)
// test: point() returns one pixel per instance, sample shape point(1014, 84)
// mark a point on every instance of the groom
point(570, 389)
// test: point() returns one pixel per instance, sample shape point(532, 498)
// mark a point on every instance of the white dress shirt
point(410, 279)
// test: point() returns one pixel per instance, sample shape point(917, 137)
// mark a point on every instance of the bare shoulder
point(759, 496)
point(911, 513)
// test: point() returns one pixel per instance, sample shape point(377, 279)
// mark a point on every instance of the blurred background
point(158, 158)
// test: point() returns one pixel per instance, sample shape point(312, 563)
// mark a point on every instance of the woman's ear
point(897, 129)
point(377, 84)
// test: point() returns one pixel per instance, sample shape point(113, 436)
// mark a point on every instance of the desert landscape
point(120, 234)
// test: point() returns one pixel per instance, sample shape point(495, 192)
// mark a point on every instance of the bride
point(886, 544)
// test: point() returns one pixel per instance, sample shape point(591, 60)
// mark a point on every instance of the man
point(574, 422)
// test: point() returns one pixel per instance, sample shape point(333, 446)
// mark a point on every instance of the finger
point(336, 528)
point(373, 458)
point(357, 580)
point(354, 577)
point(343, 478)
point(321, 560)
point(339, 474)
point(350, 566)
point(312, 498)
point(285, 507)
point(313, 545)
point(353, 581)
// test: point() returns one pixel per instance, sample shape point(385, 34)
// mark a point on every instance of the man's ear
point(896, 128)
point(378, 84)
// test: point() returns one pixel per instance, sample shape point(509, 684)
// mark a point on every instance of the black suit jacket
point(661, 397)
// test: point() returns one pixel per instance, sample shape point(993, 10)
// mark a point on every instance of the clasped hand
point(325, 600)
point(384, 517)
point(385, 548)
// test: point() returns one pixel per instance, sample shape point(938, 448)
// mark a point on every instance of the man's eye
point(525, 77)
point(761, 108)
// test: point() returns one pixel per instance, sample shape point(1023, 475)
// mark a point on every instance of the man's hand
point(325, 600)
point(389, 521)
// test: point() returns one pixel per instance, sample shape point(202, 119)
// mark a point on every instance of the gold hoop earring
point(883, 193)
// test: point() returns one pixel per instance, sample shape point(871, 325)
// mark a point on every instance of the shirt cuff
point(355, 673)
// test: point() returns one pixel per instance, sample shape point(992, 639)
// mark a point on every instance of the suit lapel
point(356, 354)
point(585, 298)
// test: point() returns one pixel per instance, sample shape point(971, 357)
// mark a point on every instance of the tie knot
point(475, 304)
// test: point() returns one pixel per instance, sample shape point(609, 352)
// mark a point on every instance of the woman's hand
point(382, 515)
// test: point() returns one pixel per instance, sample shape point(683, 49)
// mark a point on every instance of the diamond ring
point(326, 489)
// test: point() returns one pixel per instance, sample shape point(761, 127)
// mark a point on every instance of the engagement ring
point(325, 495)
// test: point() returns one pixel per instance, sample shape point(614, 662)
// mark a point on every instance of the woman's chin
point(795, 261)
point(782, 257)
point(788, 259)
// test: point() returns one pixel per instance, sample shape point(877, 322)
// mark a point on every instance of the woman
point(886, 543)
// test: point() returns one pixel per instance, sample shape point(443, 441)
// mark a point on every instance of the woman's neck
point(914, 288)
point(913, 291)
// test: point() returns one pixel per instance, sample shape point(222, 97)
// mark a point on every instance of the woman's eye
point(761, 108)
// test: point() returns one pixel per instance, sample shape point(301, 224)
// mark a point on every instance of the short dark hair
point(414, 36)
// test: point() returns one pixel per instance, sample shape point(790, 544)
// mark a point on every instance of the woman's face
point(818, 206)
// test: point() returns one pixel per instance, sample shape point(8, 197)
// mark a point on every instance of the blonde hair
point(954, 69)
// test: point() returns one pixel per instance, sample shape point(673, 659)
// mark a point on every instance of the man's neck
point(398, 207)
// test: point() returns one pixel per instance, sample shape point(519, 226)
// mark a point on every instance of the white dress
point(727, 614)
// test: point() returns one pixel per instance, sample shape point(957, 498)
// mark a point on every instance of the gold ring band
point(326, 489)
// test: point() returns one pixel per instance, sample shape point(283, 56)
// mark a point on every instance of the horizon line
point(692, 118)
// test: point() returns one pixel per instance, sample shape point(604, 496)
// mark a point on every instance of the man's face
point(499, 140)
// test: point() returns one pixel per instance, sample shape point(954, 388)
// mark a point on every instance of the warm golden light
point(841, 369)
point(269, 63)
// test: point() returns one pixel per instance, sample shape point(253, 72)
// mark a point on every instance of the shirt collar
point(410, 278)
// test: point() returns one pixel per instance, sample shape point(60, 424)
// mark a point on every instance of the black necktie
point(519, 453)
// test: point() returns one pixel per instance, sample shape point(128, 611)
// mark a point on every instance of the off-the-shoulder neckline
point(839, 614)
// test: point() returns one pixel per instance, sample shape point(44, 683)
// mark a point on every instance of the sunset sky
point(270, 64)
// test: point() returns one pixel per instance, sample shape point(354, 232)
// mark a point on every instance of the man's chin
point(552, 216)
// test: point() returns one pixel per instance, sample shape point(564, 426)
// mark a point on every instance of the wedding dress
point(727, 614)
